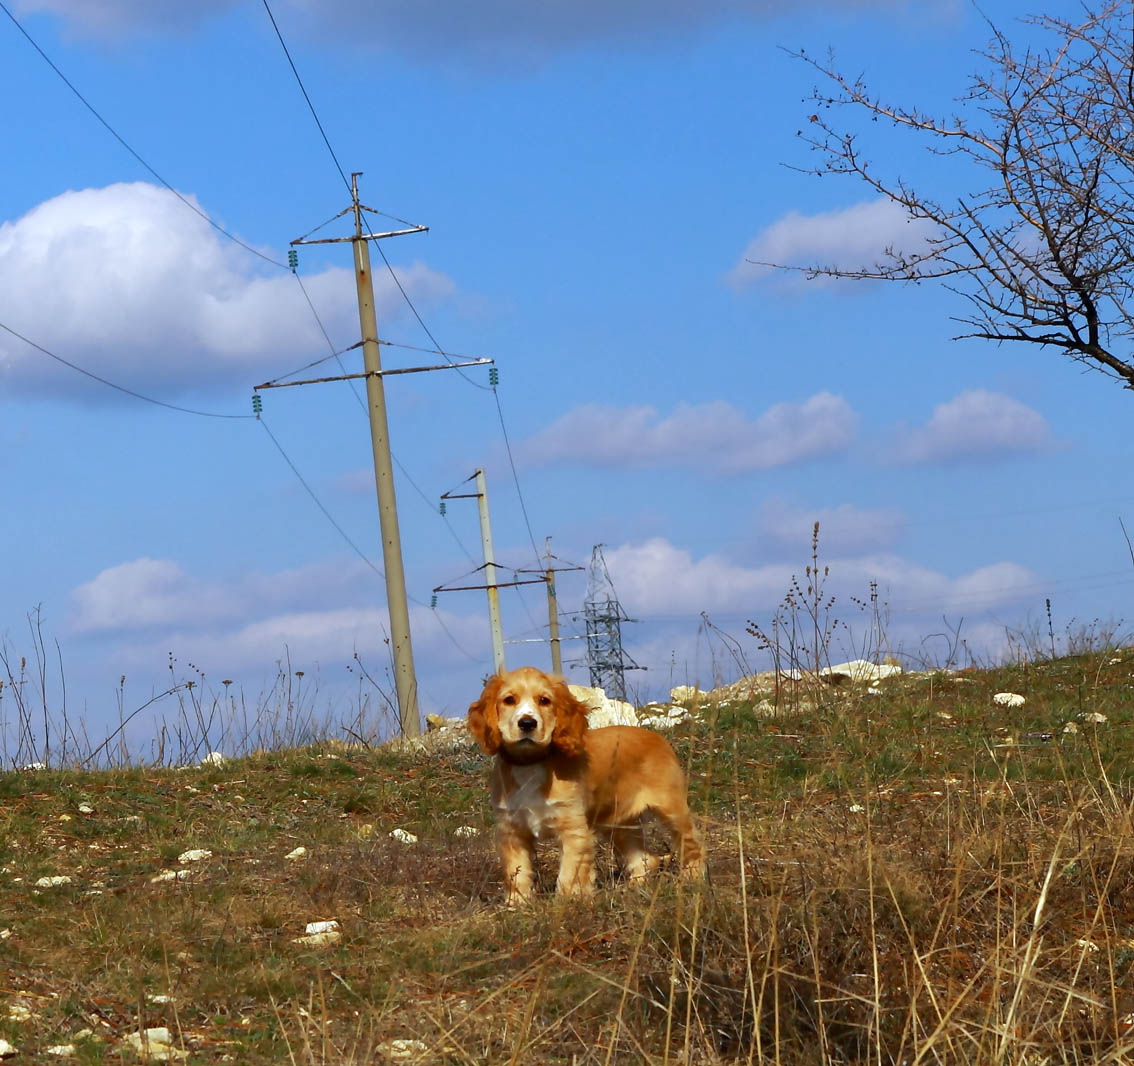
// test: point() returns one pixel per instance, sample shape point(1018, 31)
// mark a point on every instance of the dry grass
point(916, 876)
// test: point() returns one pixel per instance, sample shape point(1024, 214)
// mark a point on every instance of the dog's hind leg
point(686, 840)
point(630, 851)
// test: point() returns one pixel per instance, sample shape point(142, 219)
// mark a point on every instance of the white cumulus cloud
point(846, 239)
point(322, 612)
point(975, 424)
point(145, 592)
point(131, 284)
point(657, 578)
point(714, 437)
point(159, 593)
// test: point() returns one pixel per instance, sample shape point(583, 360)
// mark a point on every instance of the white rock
point(154, 1044)
point(214, 758)
point(169, 875)
point(861, 670)
point(665, 717)
point(328, 926)
point(402, 836)
point(298, 853)
point(856, 808)
point(400, 1049)
point(466, 831)
point(53, 882)
point(603, 711)
point(1094, 718)
point(319, 940)
point(6, 1049)
point(63, 1051)
point(86, 808)
point(1009, 699)
point(160, 998)
point(682, 693)
point(195, 855)
point(435, 723)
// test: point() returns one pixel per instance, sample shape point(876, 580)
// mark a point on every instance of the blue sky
point(594, 177)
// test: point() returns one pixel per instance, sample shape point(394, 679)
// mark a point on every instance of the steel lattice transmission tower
point(604, 616)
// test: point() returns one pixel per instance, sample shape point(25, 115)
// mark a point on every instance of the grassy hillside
point(913, 874)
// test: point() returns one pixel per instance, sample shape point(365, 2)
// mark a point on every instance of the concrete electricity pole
point(490, 585)
point(405, 680)
point(553, 615)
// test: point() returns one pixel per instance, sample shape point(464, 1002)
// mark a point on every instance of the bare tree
point(1043, 247)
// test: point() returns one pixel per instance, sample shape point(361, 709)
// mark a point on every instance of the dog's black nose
point(527, 724)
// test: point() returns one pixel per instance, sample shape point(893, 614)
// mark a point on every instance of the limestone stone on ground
point(602, 710)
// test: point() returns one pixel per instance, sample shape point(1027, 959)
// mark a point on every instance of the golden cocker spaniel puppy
point(555, 777)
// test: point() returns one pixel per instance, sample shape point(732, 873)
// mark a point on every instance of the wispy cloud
point(975, 424)
point(715, 437)
point(845, 239)
point(845, 529)
point(158, 299)
point(517, 32)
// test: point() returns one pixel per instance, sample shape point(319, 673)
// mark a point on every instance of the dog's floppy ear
point(483, 722)
point(570, 720)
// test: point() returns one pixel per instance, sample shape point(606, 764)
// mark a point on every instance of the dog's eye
point(544, 701)
point(508, 700)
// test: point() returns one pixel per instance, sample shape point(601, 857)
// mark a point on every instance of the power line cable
point(232, 237)
point(314, 362)
point(125, 144)
point(319, 503)
point(347, 184)
point(336, 355)
point(354, 547)
point(417, 314)
point(342, 174)
point(112, 385)
point(302, 89)
point(453, 640)
point(401, 288)
point(515, 476)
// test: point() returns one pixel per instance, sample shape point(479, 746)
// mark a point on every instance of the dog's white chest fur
point(527, 804)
